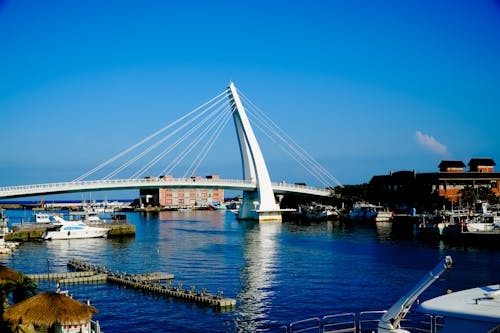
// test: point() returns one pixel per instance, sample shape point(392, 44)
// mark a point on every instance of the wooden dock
point(150, 282)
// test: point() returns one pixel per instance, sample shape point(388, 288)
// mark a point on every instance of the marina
point(278, 274)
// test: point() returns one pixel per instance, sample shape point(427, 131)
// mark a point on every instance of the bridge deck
point(142, 183)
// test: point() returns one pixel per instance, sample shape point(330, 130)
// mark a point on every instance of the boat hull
point(76, 234)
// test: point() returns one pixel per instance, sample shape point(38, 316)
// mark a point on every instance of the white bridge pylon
point(259, 204)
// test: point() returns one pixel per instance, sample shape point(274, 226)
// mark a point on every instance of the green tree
point(4, 295)
point(467, 195)
point(486, 194)
point(23, 288)
point(471, 195)
point(20, 289)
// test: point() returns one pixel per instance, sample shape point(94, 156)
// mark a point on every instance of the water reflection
point(384, 230)
point(261, 257)
point(60, 251)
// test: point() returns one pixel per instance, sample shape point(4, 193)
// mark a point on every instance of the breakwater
point(150, 282)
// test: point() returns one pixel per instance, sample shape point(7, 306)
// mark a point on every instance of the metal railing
point(238, 184)
point(364, 322)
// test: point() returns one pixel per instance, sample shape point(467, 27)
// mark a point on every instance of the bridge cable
point(261, 118)
point(170, 148)
point(176, 143)
point(290, 150)
point(287, 140)
point(208, 145)
point(126, 151)
point(306, 157)
point(158, 157)
point(314, 172)
point(137, 157)
point(180, 157)
point(156, 144)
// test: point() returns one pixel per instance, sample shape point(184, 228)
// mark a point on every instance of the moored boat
point(319, 212)
point(369, 212)
point(217, 206)
point(5, 247)
point(63, 229)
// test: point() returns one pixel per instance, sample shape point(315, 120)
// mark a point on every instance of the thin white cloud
point(429, 142)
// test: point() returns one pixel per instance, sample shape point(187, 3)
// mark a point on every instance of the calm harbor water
point(278, 273)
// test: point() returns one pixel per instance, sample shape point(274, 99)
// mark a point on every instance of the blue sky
point(365, 87)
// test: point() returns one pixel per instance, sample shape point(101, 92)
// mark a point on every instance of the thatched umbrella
point(7, 273)
point(48, 308)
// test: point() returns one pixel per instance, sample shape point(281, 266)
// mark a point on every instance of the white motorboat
point(63, 229)
point(367, 211)
point(482, 222)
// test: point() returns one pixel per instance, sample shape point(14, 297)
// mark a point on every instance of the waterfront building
point(409, 188)
point(183, 197)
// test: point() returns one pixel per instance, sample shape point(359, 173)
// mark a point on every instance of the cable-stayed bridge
point(198, 130)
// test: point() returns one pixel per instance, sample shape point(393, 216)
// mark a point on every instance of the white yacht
point(62, 229)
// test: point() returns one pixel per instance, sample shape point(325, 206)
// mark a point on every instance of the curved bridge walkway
point(142, 183)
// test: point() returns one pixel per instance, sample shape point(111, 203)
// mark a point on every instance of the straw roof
point(47, 308)
point(7, 273)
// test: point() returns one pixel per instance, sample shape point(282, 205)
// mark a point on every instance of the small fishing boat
point(369, 212)
point(217, 206)
point(63, 229)
point(319, 212)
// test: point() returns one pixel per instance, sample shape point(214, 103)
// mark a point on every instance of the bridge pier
point(250, 209)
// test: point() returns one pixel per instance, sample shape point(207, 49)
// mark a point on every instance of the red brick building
point(182, 197)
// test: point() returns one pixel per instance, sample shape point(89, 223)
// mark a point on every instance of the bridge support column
point(260, 204)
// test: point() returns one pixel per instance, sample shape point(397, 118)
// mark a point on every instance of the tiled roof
point(451, 164)
point(482, 161)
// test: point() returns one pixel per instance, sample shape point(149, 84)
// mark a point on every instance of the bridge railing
point(145, 181)
point(34, 189)
point(297, 186)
